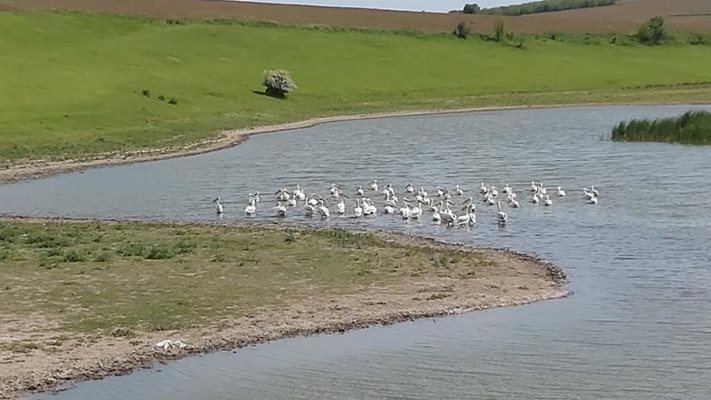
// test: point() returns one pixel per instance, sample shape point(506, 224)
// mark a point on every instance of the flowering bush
point(278, 83)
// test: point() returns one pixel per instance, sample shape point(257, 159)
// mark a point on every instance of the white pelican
point(359, 191)
point(415, 212)
point(535, 198)
point(501, 215)
point(409, 188)
point(490, 200)
point(308, 210)
point(291, 202)
point(561, 192)
point(299, 193)
point(588, 195)
point(422, 192)
point(280, 210)
point(323, 210)
point(548, 201)
point(256, 197)
point(515, 204)
point(282, 195)
point(506, 189)
point(313, 201)
point(251, 207)
point(368, 207)
point(435, 216)
point(593, 201)
point(405, 211)
point(334, 189)
point(440, 192)
point(469, 218)
point(493, 191)
point(358, 210)
point(388, 209)
point(373, 185)
point(483, 188)
point(341, 206)
point(218, 205)
point(595, 192)
point(542, 188)
point(458, 190)
point(533, 187)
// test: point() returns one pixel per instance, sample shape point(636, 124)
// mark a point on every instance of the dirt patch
point(623, 17)
point(35, 355)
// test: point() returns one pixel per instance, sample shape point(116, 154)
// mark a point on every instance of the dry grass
point(624, 17)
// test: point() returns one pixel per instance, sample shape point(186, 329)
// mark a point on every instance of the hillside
point(624, 16)
point(67, 93)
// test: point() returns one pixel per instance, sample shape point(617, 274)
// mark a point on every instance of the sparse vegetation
point(652, 32)
point(120, 278)
point(499, 29)
point(693, 127)
point(546, 6)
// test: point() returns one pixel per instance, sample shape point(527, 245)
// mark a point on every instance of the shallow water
point(638, 326)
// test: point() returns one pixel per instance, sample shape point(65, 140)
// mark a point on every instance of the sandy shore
point(65, 357)
point(230, 138)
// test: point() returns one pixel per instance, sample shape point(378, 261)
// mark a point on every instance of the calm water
point(638, 327)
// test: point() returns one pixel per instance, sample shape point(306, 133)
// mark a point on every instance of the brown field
point(626, 16)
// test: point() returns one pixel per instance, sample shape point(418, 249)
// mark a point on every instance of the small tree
point(652, 32)
point(499, 29)
point(462, 31)
point(278, 83)
point(471, 8)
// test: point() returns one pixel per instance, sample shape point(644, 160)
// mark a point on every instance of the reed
point(692, 127)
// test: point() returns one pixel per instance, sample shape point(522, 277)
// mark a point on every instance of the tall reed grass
point(692, 127)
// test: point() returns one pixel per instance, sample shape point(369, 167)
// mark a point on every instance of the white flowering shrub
point(278, 83)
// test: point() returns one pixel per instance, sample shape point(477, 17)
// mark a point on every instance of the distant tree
point(472, 8)
point(499, 29)
point(653, 31)
point(462, 31)
point(278, 83)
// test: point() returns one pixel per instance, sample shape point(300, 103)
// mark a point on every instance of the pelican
point(483, 188)
point(251, 207)
point(218, 205)
point(458, 190)
point(515, 204)
point(358, 210)
point(435, 216)
point(595, 192)
point(256, 197)
point(388, 209)
point(506, 189)
point(415, 212)
point(468, 201)
point(409, 188)
point(490, 200)
point(548, 201)
point(405, 211)
point(282, 195)
point(469, 218)
point(313, 201)
point(334, 189)
point(423, 193)
point(593, 201)
point(542, 188)
point(280, 210)
point(373, 185)
point(368, 207)
point(589, 195)
point(535, 198)
point(359, 191)
point(561, 192)
point(341, 206)
point(291, 202)
point(440, 192)
point(323, 210)
point(299, 193)
point(501, 215)
point(308, 210)
point(493, 191)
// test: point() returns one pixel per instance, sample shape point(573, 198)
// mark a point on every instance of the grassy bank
point(78, 85)
point(693, 127)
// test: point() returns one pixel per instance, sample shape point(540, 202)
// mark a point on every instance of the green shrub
point(72, 256)
point(652, 32)
point(160, 253)
point(499, 29)
point(462, 31)
point(131, 249)
point(278, 83)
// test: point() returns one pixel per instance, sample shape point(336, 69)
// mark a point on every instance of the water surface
point(638, 327)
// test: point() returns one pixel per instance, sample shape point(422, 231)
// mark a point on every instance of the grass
point(79, 85)
point(693, 127)
point(119, 278)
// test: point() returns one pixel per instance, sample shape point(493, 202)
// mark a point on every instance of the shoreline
point(518, 279)
point(235, 137)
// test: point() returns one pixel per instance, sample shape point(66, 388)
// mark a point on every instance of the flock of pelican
point(411, 206)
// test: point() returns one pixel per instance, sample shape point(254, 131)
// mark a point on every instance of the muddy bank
point(57, 357)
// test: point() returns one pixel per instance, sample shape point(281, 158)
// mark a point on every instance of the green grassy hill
point(72, 83)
